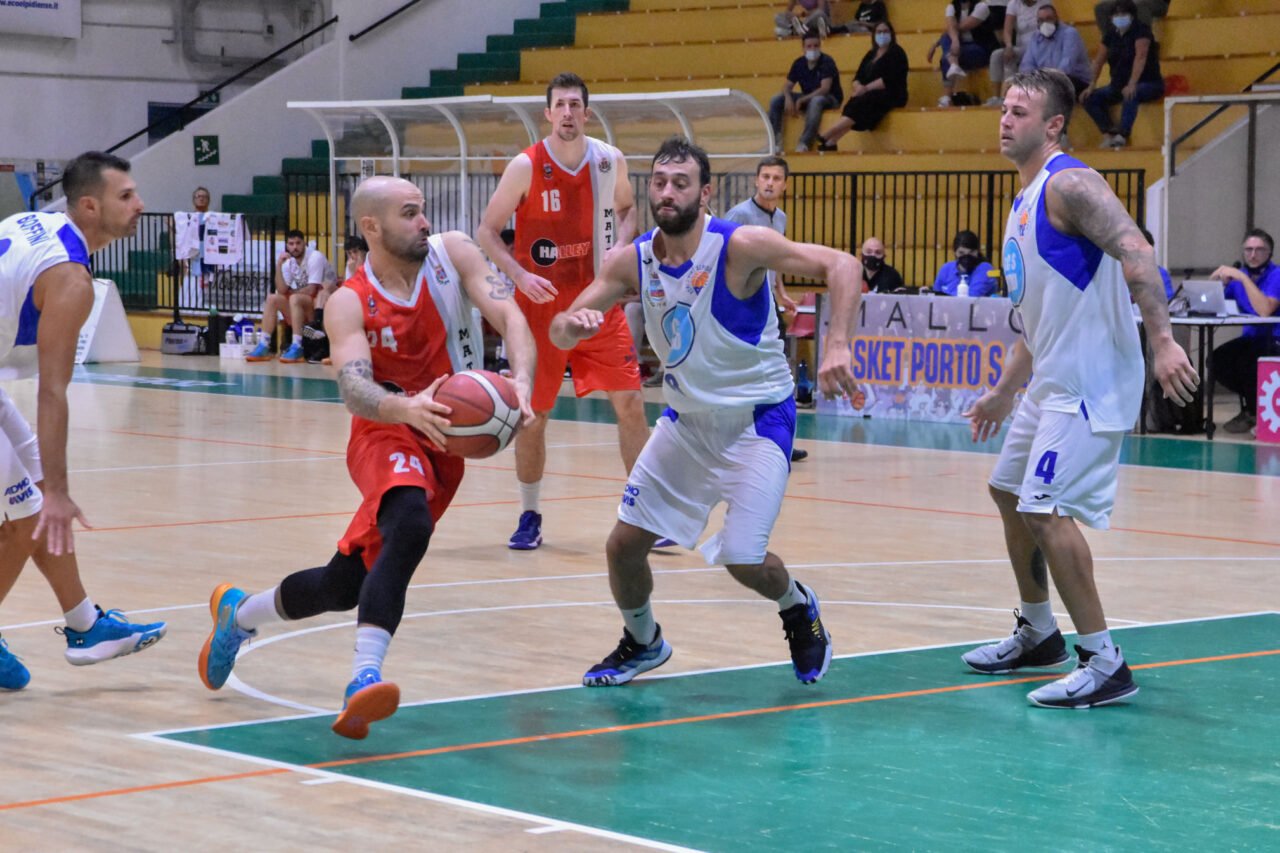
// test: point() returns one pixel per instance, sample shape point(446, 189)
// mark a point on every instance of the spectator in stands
point(1254, 284)
point(1147, 11)
point(819, 81)
point(878, 276)
point(864, 20)
point(803, 17)
point(1019, 29)
point(879, 86)
point(301, 273)
point(1133, 54)
point(966, 44)
point(1058, 45)
point(357, 250)
point(969, 269)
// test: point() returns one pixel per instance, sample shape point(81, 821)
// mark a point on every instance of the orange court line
point(310, 515)
point(726, 715)
point(996, 517)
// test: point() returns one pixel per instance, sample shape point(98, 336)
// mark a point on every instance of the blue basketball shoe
point(368, 699)
point(810, 643)
point(13, 675)
point(628, 660)
point(112, 636)
point(262, 352)
point(219, 653)
point(528, 535)
point(293, 354)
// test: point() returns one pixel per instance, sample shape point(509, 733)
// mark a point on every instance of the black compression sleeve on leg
point(325, 589)
point(406, 525)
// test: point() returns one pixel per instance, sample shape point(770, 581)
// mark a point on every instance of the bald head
point(873, 247)
point(389, 214)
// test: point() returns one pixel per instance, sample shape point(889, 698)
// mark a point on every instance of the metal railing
point(149, 277)
point(916, 214)
point(181, 112)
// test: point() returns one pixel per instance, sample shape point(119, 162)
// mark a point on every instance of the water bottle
point(962, 289)
point(804, 385)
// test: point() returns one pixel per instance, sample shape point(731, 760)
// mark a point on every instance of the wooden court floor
point(194, 476)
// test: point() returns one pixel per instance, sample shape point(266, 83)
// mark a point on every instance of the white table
point(1205, 327)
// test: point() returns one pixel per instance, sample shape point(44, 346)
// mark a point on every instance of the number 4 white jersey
point(718, 351)
point(1076, 314)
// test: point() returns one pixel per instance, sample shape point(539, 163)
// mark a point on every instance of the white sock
point(371, 648)
point(82, 616)
point(641, 624)
point(258, 609)
point(1040, 615)
point(1103, 648)
point(297, 339)
point(793, 596)
point(529, 494)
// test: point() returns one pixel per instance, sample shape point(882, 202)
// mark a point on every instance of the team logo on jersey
point(678, 329)
point(1023, 218)
point(1015, 271)
point(655, 290)
point(441, 275)
point(373, 306)
point(546, 171)
point(605, 164)
point(701, 275)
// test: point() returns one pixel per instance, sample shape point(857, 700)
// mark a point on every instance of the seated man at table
point(1254, 284)
point(969, 269)
point(877, 275)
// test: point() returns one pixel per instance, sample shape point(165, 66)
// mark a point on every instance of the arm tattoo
point(1092, 210)
point(359, 392)
point(498, 288)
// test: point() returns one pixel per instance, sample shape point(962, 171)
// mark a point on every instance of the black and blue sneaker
point(810, 643)
point(628, 660)
point(111, 636)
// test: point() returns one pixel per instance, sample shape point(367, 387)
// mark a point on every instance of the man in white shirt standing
point(301, 273)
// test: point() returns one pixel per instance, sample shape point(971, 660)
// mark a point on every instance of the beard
point(675, 220)
point(412, 248)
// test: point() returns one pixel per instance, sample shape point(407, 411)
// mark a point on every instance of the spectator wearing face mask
point(878, 276)
point(1019, 29)
point(1147, 11)
point(968, 269)
point(879, 86)
point(1254, 284)
point(1133, 54)
point(1058, 45)
point(816, 75)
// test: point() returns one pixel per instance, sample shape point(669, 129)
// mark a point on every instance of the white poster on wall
point(58, 18)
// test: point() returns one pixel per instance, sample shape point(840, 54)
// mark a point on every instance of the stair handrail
point(40, 190)
point(382, 20)
point(1173, 147)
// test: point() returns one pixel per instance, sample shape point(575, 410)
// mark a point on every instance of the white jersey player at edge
point(1073, 258)
point(728, 429)
point(46, 294)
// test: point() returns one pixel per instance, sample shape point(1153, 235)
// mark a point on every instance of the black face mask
point(872, 264)
point(1254, 272)
point(967, 263)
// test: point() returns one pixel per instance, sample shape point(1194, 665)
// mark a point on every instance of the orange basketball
point(486, 412)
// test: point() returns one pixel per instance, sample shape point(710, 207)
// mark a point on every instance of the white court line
point(551, 823)
point(655, 676)
point(339, 457)
point(709, 569)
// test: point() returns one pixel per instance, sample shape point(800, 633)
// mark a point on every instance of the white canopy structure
point(469, 139)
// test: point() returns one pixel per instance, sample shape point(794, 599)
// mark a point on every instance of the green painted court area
point(895, 750)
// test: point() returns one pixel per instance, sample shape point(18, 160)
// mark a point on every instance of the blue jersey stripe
point(745, 319)
point(1074, 258)
point(77, 251)
point(28, 321)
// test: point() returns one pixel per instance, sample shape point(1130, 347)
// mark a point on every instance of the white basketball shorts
point(693, 461)
point(1054, 461)
point(19, 464)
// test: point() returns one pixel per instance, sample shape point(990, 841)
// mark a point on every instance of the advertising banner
point(924, 357)
point(59, 18)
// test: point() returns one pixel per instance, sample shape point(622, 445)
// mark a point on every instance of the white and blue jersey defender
point(1062, 451)
point(730, 423)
